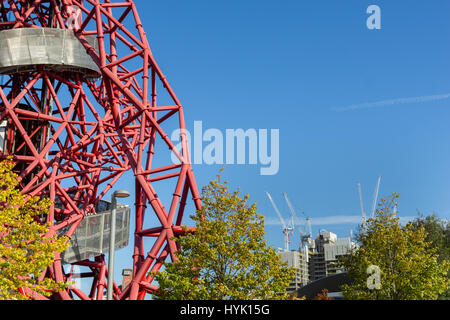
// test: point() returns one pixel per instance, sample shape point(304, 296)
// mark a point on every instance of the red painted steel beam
point(97, 131)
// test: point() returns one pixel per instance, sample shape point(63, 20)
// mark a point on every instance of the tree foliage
point(438, 233)
point(408, 264)
point(227, 257)
point(25, 251)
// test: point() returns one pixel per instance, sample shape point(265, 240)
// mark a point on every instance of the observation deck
point(58, 50)
point(92, 235)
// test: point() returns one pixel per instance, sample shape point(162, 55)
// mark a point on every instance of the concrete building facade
point(319, 259)
point(299, 261)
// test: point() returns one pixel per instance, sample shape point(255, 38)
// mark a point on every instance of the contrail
point(334, 220)
point(393, 102)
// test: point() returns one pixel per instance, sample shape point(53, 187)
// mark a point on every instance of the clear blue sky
point(286, 65)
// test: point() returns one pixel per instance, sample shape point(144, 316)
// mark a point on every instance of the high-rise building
point(318, 259)
point(324, 257)
point(299, 261)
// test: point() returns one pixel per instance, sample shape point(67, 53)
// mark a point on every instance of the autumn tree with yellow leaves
point(407, 264)
point(227, 257)
point(25, 250)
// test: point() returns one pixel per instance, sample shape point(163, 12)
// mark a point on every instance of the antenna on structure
point(287, 230)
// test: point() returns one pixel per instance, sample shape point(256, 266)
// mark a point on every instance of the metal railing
point(91, 237)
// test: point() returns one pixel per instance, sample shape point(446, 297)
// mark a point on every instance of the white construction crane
point(306, 234)
point(287, 229)
point(375, 197)
point(361, 203)
point(374, 203)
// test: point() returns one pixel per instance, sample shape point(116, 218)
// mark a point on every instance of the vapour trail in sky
point(333, 220)
point(391, 102)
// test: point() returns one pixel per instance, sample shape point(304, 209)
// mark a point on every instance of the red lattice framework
point(73, 137)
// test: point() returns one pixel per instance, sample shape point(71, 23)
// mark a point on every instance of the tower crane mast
point(306, 233)
point(287, 229)
point(361, 203)
point(374, 202)
point(375, 197)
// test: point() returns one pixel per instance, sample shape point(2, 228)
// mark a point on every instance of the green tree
point(408, 265)
point(438, 233)
point(25, 251)
point(227, 257)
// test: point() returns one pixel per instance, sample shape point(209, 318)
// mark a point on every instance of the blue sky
point(350, 103)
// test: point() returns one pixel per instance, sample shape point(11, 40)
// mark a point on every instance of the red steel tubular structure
point(93, 131)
